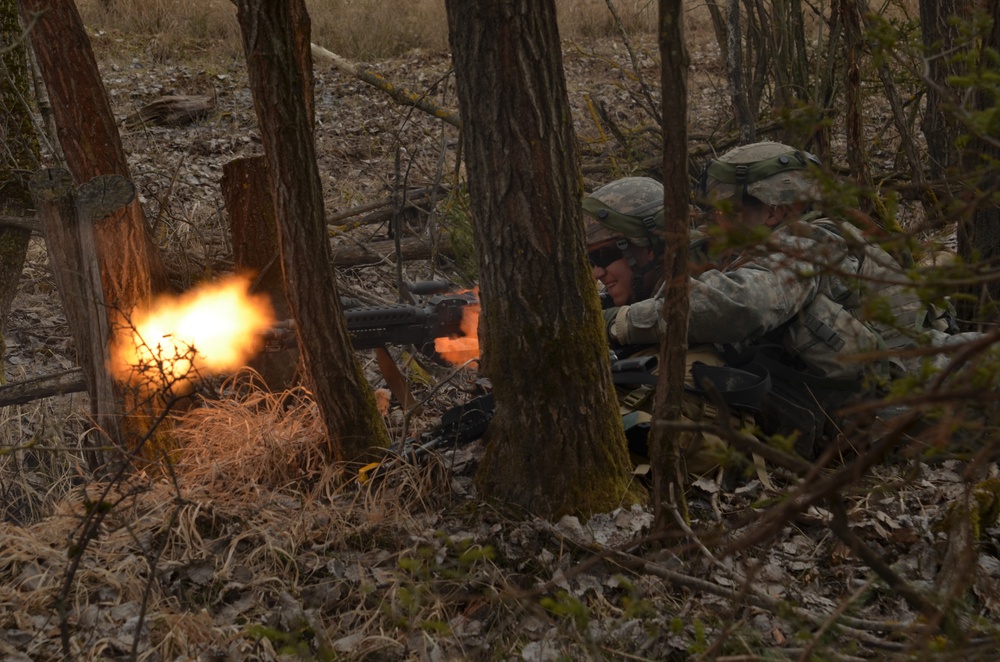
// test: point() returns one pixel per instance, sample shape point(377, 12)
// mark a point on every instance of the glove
point(610, 315)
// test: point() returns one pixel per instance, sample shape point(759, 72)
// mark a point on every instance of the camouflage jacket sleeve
point(741, 303)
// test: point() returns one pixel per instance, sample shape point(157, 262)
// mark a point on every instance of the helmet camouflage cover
point(630, 208)
point(772, 172)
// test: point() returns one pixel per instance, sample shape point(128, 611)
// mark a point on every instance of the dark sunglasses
point(602, 257)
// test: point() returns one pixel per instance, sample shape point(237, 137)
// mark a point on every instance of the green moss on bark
point(584, 466)
point(20, 155)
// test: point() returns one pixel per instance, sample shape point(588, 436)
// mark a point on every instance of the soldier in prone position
point(791, 304)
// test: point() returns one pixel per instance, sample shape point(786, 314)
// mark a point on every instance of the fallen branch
point(22, 222)
point(378, 211)
point(842, 529)
point(399, 94)
point(411, 248)
point(854, 627)
point(173, 110)
point(70, 381)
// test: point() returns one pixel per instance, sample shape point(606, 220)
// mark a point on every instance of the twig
point(851, 625)
point(843, 531)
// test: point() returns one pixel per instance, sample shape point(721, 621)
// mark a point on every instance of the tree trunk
point(978, 219)
point(940, 37)
point(982, 232)
point(246, 190)
point(67, 215)
point(275, 59)
point(668, 477)
point(131, 266)
point(746, 123)
point(20, 154)
point(556, 444)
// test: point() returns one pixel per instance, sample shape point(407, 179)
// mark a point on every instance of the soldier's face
point(612, 269)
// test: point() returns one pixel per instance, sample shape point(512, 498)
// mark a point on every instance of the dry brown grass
point(364, 30)
point(231, 540)
point(251, 438)
point(36, 466)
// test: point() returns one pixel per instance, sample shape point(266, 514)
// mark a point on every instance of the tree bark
point(668, 476)
point(275, 60)
point(940, 36)
point(20, 154)
point(970, 177)
point(246, 190)
point(556, 444)
point(746, 123)
point(67, 216)
point(980, 235)
point(131, 265)
point(19, 393)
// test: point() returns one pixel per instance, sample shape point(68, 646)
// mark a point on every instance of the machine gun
point(374, 327)
point(371, 327)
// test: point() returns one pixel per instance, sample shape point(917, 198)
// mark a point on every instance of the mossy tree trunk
point(556, 444)
point(279, 64)
point(18, 158)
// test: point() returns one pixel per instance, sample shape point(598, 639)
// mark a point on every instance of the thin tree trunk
point(941, 36)
point(556, 444)
point(719, 27)
point(745, 122)
point(668, 477)
point(276, 56)
point(980, 159)
point(857, 159)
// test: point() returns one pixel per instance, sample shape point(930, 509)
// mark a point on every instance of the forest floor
point(249, 548)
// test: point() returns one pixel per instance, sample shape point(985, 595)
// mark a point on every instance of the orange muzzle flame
point(457, 351)
point(215, 328)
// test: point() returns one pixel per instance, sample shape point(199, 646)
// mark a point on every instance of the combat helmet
point(771, 172)
point(625, 213)
point(629, 208)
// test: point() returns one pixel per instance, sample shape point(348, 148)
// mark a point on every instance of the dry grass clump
point(251, 437)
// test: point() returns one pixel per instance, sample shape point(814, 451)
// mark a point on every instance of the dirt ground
point(231, 558)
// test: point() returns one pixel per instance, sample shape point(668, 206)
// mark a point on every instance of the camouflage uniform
point(802, 288)
point(799, 293)
point(629, 212)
